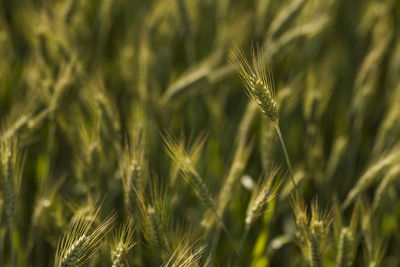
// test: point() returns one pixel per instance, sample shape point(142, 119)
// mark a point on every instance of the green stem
point(289, 164)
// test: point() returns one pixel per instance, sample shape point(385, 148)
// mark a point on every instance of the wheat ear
point(179, 156)
point(11, 165)
point(313, 228)
point(154, 222)
point(123, 242)
point(79, 243)
point(345, 250)
point(263, 194)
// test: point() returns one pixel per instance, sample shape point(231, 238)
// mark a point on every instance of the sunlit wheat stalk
point(179, 156)
point(79, 243)
point(313, 228)
point(11, 166)
point(345, 250)
point(262, 195)
point(186, 254)
point(122, 243)
point(154, 218)
point(259, 87)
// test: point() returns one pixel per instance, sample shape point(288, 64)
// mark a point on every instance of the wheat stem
point(289, 164)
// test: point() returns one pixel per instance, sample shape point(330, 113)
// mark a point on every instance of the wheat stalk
point(314, 242)
point(11, 167)
point(79, 243)
point(186, 254)
point(262, 195)
point(371, 173)
point(179, 156)
point(239, 162)
point(345, 250)
point(259, 87)
point(154, 216)
point(123, 242)
point(313, 227)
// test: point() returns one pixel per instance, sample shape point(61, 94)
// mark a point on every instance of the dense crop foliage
point(199, 133)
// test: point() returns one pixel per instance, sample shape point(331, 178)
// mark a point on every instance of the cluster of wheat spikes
point(127, 139)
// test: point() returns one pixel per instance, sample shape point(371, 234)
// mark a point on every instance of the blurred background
point(88, 86)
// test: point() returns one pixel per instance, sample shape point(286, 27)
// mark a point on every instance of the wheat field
point(199, 133)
